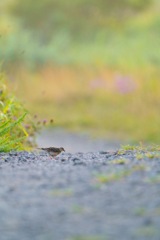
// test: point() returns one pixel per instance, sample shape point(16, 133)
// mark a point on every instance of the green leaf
point(4, 124)
point(7, 147)
point(11, 125)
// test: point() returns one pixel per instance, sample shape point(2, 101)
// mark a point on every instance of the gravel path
point(80, 196)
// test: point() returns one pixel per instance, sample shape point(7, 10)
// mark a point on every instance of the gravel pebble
point(81, 196)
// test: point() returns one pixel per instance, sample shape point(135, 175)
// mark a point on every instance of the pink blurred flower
point(125, 84)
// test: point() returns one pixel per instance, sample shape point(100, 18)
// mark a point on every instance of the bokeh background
point(92, 66)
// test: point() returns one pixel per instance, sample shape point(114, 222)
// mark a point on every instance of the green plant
point(111, 177)
point(128, 148)
point(13, 121)
point(8, 140)
point(139, 156)
point(70, 16)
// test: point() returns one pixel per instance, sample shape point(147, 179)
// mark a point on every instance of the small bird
point(53, 151)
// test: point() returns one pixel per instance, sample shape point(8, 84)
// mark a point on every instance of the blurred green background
point(91, 65)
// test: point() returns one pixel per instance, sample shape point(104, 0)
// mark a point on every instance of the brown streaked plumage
point(53, 151)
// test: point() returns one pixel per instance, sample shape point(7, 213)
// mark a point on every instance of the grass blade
point(11, 125)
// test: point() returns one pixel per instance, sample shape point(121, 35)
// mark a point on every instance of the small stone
point(13, 153)
point(103, 152)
